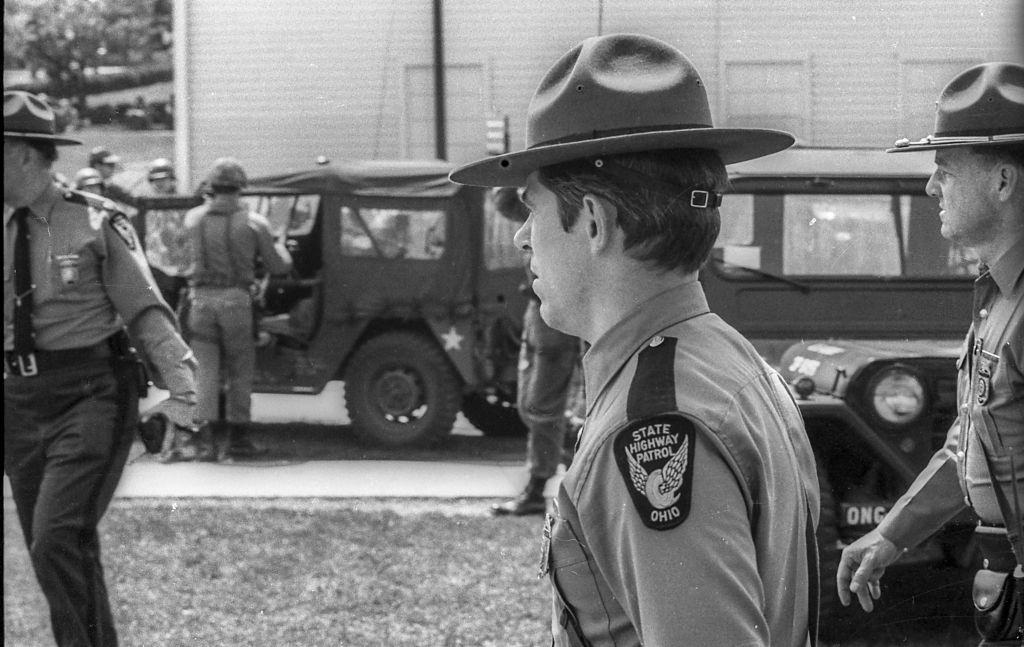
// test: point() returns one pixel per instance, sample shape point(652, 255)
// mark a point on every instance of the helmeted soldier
point(89, 179)
point(227, 240)
point(76, 289)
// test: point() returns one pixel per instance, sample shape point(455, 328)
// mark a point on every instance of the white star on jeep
point(452, 339)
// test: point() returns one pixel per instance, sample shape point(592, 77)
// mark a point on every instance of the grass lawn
point(363, 573)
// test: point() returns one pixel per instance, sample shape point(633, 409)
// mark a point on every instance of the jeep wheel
point(494, 414)
point(400, 389)
point(833, 616)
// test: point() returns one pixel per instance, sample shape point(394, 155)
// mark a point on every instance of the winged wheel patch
point(655, 458)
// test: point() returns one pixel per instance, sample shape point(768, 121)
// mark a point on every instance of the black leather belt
point(995, 548)
point(42, 361)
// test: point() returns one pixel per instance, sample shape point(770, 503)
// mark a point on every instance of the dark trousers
point(67, 433)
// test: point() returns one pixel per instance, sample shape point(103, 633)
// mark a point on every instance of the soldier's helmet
point(101, 155)
point(89, 179)
point(160, 168)
point(226, 175)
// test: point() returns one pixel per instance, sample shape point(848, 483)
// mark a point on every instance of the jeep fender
point(457, 338)
point(819, 409)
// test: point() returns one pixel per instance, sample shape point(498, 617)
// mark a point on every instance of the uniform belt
point(995, 548)
point(42, 361)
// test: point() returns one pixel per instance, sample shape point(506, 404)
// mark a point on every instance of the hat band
point(932, 140)
point(615, 132)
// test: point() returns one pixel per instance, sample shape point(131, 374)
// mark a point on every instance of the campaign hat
point(26, 116)
point(613, 94)
point(982, 106)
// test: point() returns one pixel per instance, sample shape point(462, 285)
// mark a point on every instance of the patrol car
point(405, 286)
point(832, 263)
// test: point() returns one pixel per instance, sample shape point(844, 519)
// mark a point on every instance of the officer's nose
point(522, 238)
point(932, 188)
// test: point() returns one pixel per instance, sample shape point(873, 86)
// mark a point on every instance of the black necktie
point(24, 344)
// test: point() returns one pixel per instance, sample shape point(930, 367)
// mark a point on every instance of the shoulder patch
point(119, 222)
point(655, 459)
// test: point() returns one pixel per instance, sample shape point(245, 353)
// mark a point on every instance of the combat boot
point(530, 501)
point(240, 445)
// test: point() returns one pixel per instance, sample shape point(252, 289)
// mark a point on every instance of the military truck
point(405, 286)
point(831, 261)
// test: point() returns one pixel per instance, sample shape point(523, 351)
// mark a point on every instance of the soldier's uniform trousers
point(221, 329)
point(67, 433)
point(547, 359)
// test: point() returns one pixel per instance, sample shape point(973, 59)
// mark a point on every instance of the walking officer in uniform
point(74, 280)
point(228, 241)
point(688, 514)
point(979, 183)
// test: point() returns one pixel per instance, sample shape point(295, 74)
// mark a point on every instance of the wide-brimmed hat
point(621, 93)
point(26, 116)
point(982, 106)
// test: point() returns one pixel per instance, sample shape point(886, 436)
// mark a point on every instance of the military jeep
point(405, 286)
point(832, 263)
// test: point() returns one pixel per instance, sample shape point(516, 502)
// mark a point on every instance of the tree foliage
point(66, 40)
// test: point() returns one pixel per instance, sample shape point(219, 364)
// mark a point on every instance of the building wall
point(277, 84)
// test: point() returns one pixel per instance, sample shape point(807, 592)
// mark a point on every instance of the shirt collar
point(42, 205)
point(614, 348)
point(1008, 270)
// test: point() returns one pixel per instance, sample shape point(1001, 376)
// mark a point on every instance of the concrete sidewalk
point(144, 478)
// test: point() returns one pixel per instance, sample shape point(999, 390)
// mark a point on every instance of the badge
point(68, 265)
point(124, 229)
point(655, 458)
point(983, 385)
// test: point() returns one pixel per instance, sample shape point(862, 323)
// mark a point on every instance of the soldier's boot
point(206, 448)
point(530, 501)
point(240, 444)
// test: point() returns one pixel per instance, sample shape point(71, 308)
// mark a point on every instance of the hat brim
point(926, 145)
point(56, 139)
point(732, 145)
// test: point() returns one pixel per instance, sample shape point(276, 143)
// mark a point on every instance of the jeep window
point(840, 235)
point(167, 247)
point(393, 233)
point(291, 214)
point(499, 250)
point(836, 234)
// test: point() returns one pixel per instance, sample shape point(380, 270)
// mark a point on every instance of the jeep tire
point(400, 389)
point(493, 414)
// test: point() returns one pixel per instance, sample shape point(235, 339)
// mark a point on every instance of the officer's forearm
point(154, 330)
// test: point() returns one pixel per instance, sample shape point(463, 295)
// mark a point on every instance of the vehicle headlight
point(897, 395)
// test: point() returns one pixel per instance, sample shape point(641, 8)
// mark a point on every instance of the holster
point(997, 593)
point(122, 347)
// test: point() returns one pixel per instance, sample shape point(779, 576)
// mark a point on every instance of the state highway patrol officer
point(688, 514)
point(979, 182)
point(227, 240)
point(74, 279)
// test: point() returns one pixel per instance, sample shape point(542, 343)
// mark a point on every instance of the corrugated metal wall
point(278, 83)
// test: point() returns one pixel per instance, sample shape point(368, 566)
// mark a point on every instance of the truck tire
point(400, 389)
point(493, 414)
point(833, 617)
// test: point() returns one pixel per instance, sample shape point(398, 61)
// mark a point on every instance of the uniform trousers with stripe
point(67, 433)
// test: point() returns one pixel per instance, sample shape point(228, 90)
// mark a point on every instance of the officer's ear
point(1009, 179)
point(599, 218)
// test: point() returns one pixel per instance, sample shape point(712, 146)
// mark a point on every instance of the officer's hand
point(861, 568)
point(177, 411)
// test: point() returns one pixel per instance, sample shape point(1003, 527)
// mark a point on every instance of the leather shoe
point(530, 501)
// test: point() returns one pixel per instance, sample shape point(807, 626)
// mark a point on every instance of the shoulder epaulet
point(91, 200)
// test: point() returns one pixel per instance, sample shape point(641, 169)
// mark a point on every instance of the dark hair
point(660, 226)
point(1013, 153)
point(45, 147)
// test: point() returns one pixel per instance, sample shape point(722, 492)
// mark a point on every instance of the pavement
point(145, 478)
